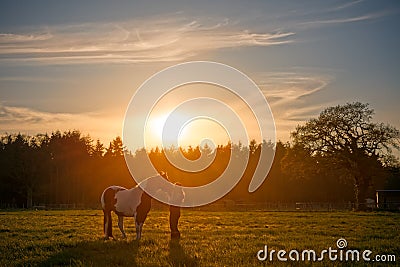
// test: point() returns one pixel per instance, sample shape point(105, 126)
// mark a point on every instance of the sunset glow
point(201, 132)
point(219, 133)
point(73, 71)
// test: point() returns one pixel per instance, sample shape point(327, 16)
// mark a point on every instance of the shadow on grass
point(178, 256)
point(116, 253)
point(96, 253)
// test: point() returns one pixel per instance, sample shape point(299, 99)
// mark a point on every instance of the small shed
point(388, 199)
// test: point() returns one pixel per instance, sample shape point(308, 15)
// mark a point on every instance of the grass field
point(74, 238)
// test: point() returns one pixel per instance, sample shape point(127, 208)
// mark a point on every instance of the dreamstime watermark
point(338, 253)
point(213, 108)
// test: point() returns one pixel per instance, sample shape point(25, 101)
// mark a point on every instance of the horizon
point(203, 145)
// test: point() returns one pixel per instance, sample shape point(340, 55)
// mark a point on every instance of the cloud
point(31, 121)
point(289, 95)
point(10, 38)
point(326, 22)
point(346, 5)
point(285, 87)
point(152, 39)
point(17, 115)
point(134, 41)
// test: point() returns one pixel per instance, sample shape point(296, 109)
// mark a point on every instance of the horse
point(135, 202)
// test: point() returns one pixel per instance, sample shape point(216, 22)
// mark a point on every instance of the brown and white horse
point(134, 202)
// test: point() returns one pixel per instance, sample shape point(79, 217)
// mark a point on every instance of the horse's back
point(127, 201)
point(121, 200)
point(108, 196)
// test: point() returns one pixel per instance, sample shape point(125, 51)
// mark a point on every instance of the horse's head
point(162, 189)
point(178, 195)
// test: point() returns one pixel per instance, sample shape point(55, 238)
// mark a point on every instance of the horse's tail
point(107, 208)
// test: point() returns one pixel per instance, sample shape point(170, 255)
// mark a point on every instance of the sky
point(76, 64)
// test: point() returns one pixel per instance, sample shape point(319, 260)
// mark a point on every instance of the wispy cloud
point(134, 41)
point(289, 94)
point(31, 121)
point(157, 39)
point(17, 115)
point(322, 22)
point(11, 38)
point(285, 87)
point(346, 5)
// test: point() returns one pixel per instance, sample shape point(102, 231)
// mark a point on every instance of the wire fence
point(230, 205)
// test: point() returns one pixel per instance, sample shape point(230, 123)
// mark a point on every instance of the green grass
point(74, 238)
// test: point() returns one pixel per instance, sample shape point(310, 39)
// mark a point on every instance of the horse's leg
point(141, 213)
point(121, 225)
point(174, 214)
point(105, 225)
point(108, 224)
point(139, 227)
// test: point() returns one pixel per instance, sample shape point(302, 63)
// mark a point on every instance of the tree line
point(341, 156)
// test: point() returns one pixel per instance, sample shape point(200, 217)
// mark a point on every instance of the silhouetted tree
point(116, 148)
point(98, 149)
point(68, 168)
point(22, 166)
point(346, 138)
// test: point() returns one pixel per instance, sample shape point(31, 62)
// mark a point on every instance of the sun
point(202, 131)
point(154, 129)
point(157, 124)
point(194, 133)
